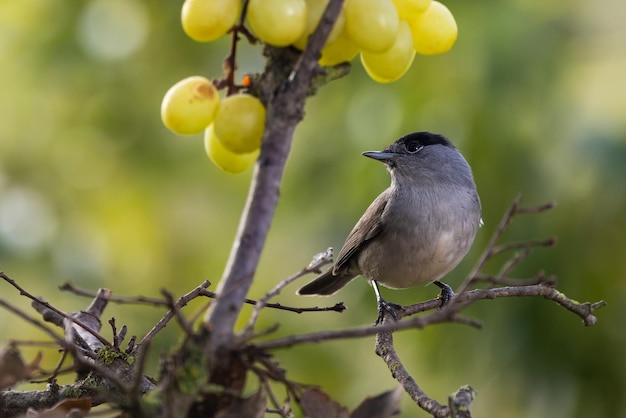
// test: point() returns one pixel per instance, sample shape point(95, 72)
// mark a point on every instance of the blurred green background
point(93, 189)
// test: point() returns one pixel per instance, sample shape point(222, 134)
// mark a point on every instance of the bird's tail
point(326, 284)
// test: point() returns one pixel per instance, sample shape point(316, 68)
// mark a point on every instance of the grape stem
point(230, 63)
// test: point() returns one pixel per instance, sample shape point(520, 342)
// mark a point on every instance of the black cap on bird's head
point(425, 157)
point(409, 144)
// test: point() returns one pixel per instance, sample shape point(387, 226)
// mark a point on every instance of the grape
point(277, 22)
point(208, 20)
point(409, 9)
point(240, 122)
point(341, 50)
point(393, 63)
point(190, 105)
point(227, 160)
point(434, 31)
point(315, 10)
point(371, 24)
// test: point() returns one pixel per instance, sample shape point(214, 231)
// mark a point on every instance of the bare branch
point(284, 98)
point(386, 350)
point(583, 310)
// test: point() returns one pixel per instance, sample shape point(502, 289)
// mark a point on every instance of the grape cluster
point(386, 33)
point(233, 127)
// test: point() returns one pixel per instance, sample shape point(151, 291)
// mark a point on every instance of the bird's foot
point(446, 293)
point(387, 307)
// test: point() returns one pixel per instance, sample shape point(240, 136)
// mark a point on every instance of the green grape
point(315, 10)
point(390, 65)
point(409, 9)
point(434, 31)
point(228, 161)
point(190, 105)
point(371, 24)
point(240, 122)
point(341, 50)
point(277, 22)
point(208, 20)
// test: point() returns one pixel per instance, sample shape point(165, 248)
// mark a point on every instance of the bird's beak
point(379, 155)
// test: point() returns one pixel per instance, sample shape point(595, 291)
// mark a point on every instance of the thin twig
point(512, 262)
point(501, 280)
point(116, 341)
point(278, 374)
point(267, 331)
point(177, 313)
point(182, 301)
point(318, 261)
point(70, 287)
point(16, 311)
point(486, 254)
point(50, 344)
point(492, 249)
point(498, 249)
point(464, 320)
point(134, 392)
point(268, 390)
point(536, 209)
point(337, 307)
point(57, 368)
point(23, 292)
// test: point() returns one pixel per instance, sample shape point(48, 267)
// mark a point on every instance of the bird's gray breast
point(425, 234)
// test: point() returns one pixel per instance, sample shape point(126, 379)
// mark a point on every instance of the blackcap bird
point(415, 231)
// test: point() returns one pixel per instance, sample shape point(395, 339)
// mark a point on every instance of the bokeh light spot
point(27, 220)
point(113, 29)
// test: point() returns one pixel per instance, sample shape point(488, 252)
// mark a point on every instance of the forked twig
point(318, 261)
point(180, 303)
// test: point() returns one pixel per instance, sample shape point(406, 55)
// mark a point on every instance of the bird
point(417, 230)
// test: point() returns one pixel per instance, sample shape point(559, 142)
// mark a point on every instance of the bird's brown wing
point(366, 228)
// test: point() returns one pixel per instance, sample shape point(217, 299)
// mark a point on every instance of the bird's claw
point(387, 307)
point(446, 293)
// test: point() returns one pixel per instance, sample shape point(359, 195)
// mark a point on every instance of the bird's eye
point(413, 147)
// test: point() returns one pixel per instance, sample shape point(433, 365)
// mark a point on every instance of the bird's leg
point(446, 293)
point(384, 306)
